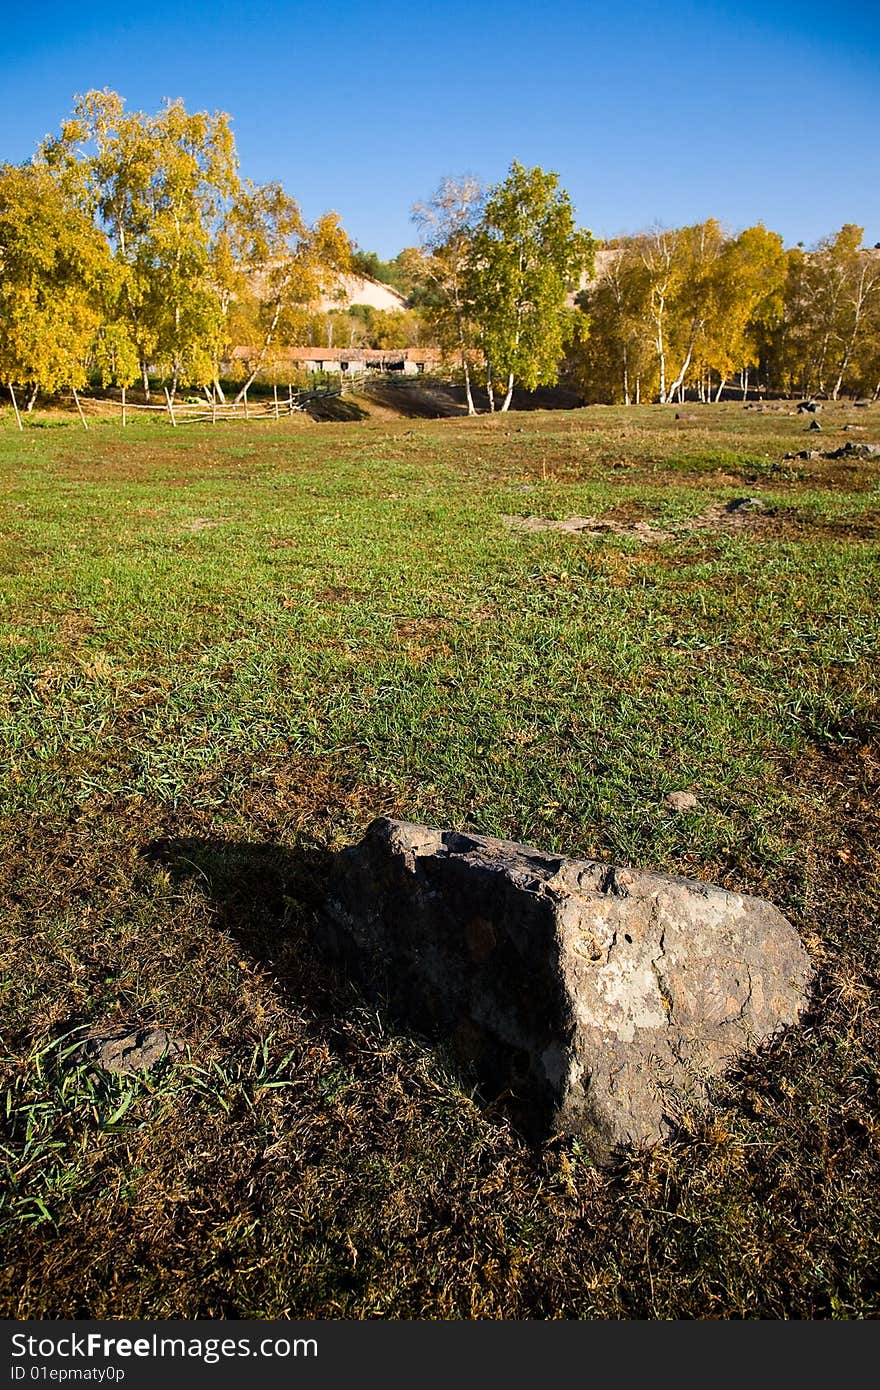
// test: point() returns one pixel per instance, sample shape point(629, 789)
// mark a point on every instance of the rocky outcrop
point(597, 1000)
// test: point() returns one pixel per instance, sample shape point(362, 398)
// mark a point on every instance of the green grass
point(222, 652)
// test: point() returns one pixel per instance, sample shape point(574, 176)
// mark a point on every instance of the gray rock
point(855, 449)
point(598, 1001)
point(680, 801)
point(808, 407)
point(745, 504)
point(128, 1050)
point(814, 425)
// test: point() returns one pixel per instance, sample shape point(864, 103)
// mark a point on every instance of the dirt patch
point(590, 526)
point(742, 514)
point(718, 516)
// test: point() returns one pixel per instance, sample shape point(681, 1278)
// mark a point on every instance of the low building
point(348, 361)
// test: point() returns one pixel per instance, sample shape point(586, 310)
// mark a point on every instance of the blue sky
point(649, 113)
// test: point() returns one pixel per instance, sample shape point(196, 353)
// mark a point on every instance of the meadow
point(224, 650)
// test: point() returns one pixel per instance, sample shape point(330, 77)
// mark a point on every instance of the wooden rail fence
point(182, 412)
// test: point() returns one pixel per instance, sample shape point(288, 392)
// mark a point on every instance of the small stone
point(814, 425)
point(745, 504)
point(128, 1051)
point(680, 801)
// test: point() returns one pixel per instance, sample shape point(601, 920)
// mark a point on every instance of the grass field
point(223, 651)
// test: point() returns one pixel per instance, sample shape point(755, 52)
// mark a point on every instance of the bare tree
point(446, 224)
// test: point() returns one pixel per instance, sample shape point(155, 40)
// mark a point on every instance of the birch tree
point(446, 224)
point(54, 270)
point(615, 361)
point(745, 294)
point(286, 264)
point(527, 254)
point(157, 186)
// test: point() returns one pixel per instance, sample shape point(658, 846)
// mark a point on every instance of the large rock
point(596, 1000)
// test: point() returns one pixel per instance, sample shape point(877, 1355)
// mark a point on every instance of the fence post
point(170, 406)
point(289, 398)
point(246, 415)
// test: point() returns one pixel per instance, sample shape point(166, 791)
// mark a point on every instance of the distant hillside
point(361, 289)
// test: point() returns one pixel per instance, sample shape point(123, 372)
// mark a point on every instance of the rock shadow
point(267, 897)
point(270, 898)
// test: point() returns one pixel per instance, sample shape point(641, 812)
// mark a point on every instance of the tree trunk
point(218, 390)
point(677, 384)
point(33, 399)
point(15, 407)
point(466, 367)
point(490, 389)
point(661, 354)
point(79, 408)
point(509, 394)
point(626, 400)
point(145, 378)
point(745, 382)
point(267, 343)
point(472, 409)
point(721, 385)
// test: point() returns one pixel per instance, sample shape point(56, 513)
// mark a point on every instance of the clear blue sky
point(649, 113)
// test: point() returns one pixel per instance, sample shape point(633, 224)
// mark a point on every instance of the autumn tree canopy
point(131, 248)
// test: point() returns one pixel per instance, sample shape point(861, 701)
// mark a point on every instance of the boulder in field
point(595, 1000)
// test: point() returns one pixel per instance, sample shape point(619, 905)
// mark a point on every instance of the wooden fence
point(183, 412)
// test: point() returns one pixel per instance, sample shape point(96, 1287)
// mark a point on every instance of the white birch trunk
point(79, 408)
point(472, 409)
point(677, 384)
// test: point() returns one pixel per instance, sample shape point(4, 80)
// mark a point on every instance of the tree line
point(131, 249)
point(697, 310)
